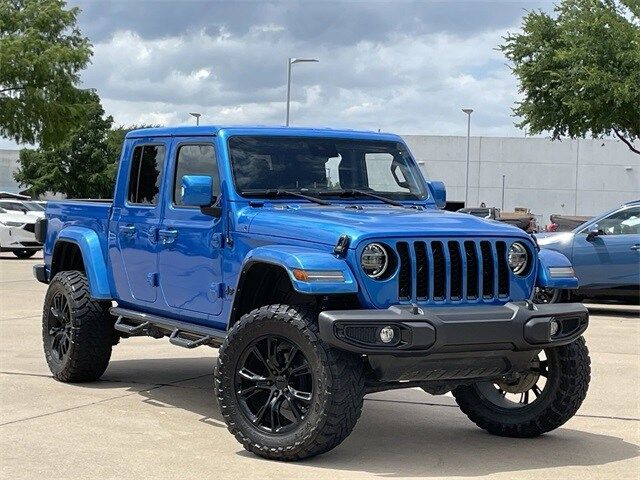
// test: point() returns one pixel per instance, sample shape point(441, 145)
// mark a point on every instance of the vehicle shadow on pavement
point(403, 433)
point(624, 312)
point(396, 439)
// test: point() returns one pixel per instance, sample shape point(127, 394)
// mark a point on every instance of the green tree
point(41, 53)
point(82, 166)
point(579, 70)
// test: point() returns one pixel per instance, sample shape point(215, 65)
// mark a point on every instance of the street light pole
point(468, 111)
point(503, 178)
point(290, 63)
point(197, 115)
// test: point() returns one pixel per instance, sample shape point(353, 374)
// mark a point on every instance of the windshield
point(33, 206)
point(14, 206)
point(324, 166)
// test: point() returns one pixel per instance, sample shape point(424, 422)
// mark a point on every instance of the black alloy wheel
point(521, 390)
point(534, 401)
point(59, 327)
point(77, 330)
point(274, 384)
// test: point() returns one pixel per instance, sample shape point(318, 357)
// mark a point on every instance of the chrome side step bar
point(182, 334)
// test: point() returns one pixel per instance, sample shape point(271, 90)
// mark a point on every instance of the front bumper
point(453, 342)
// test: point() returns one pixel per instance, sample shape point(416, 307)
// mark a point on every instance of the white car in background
point(28, 207)
point(17, 233)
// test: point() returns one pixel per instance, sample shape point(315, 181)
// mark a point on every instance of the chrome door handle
point(635, 247)
point(127, 230)
point(168, 235)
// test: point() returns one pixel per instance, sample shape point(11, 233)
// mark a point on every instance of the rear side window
point(146, 174)
point(195, 160)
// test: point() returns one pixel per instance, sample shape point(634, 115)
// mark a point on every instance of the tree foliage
point(41, 53)
point(82, 166)
point(579, 70)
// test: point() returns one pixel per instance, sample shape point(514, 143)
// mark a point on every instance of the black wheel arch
point(263, 283)
point(67, 256)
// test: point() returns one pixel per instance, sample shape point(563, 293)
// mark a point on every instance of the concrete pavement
point(153, 416)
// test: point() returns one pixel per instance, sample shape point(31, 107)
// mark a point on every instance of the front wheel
point(283, 393)
point(533, 402)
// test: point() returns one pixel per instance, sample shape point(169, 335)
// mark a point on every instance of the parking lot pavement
point(153, 415)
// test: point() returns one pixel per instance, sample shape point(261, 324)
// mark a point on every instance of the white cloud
point(408, 69)
point(406, 83)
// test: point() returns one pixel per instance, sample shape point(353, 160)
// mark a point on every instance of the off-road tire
point(92, 332)
point(338, 380)
point(24, 253)
point(568, 388)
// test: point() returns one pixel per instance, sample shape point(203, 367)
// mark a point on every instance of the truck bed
point(89, 213)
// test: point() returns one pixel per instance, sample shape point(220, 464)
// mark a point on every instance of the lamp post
point(197, 115)
point(468, 111)
point(291, 62)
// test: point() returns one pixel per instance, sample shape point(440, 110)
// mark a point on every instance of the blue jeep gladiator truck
point(322, 265)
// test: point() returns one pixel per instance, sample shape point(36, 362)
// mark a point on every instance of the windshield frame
point(420, 181)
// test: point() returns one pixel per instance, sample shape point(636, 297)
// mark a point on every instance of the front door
point(138, 219)
point(190, 241)
point(611, 259)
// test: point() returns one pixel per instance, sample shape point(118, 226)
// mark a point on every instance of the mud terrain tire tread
point(568, 392)
point(343, 383)
point(92, 333)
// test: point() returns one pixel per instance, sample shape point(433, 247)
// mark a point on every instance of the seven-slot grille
point(452, 270)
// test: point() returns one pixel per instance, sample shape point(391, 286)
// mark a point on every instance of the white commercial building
point(571, 177)
point(8, 165)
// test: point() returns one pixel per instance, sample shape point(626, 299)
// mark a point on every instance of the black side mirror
point(594, 232)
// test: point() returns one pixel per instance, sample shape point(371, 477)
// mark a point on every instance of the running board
point(182, 334)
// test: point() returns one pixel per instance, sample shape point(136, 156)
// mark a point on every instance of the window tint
point(324, 165)
point(195, 160)
point(146, 173)
point(624, 222)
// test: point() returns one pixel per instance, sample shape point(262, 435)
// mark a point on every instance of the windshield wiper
point(276, 192)
point(353, 192)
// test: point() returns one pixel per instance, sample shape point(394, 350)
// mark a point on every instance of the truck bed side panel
point(82, 213)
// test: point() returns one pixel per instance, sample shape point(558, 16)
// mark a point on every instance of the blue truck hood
point(325, 224)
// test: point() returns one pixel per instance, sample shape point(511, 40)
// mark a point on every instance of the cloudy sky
point(406, 67)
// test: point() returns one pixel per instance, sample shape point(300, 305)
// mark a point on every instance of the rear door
point(613, 258)
point(190, 241)
point(139, 218)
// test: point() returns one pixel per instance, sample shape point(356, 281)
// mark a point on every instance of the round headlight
point(374, 260)
point(518, 258)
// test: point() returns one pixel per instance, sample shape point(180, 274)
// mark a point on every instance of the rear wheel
point(283, 393)
point(24, 253)
point(532, 402)
point(77, 331)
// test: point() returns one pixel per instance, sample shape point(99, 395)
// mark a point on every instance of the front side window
point(622, 222)
point(195, 160)
point(324, 166)
point(146, 174)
